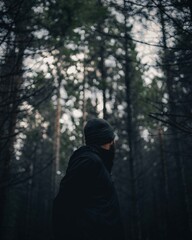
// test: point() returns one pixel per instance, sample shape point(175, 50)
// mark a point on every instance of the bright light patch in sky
point(67, 123)
point(39, 63)
point(77, 113)
point(145, 134)
point(147, 52)
point(71, 70)
point(77, 57)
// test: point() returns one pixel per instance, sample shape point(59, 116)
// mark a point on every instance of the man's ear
point(107, 146)
point(112, 142)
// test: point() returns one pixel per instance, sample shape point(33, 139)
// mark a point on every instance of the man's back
point(86, 206)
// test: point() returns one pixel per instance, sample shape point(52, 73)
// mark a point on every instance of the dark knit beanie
point(98, 131)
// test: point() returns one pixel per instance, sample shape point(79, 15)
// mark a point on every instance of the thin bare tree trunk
point(164, 184)
point(57, 140)
point(103, 80)
point(101, 65)
point(84, 98)
point(135, 223)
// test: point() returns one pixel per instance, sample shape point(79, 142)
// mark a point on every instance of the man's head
point(98, 131)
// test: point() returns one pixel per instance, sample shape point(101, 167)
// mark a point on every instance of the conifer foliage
point(64, 62)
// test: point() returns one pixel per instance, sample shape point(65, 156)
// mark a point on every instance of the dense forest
point(127, 61)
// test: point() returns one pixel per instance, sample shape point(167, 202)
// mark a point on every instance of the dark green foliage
point(82, 53)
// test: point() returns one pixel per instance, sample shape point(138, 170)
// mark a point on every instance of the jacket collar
point(105, 156)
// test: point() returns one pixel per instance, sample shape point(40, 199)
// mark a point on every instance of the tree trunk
point(101, 64)
point(84, 99)
point(57, 140)
point(164, 184)
point(135, 224)
point(10, 86)
point(103, 79)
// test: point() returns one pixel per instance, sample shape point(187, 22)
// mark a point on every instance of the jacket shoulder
point(84, 158)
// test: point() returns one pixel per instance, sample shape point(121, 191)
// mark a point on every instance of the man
point(86, 207)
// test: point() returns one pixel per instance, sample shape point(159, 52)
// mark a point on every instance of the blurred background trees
point(64, 62)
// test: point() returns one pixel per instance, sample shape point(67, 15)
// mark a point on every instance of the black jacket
point(86, 207)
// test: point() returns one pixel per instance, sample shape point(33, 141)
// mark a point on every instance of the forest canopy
point(65, 62)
